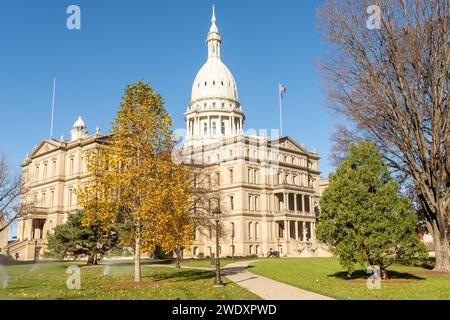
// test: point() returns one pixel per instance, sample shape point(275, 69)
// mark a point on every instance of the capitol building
point(269, 185)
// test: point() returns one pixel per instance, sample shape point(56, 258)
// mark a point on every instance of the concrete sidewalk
point(266, 288)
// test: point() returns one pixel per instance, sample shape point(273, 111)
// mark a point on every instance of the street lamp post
point(278, 246)
point(232, 247)
point(217, 281)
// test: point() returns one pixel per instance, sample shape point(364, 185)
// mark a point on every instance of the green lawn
point(48, 281)
point(327, 277)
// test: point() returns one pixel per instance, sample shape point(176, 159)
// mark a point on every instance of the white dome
point(79, 123)
point(214, 80)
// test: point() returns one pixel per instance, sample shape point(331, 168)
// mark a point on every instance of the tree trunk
point(384, 274)
point(178, 253)
point(441, 248)
point(92, 259)
point(137, 258)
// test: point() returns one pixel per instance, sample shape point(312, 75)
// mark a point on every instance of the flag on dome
point(282, 90)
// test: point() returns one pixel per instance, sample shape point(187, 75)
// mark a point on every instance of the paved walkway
point(266, 288)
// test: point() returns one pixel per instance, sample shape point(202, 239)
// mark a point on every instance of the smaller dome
point(79, 123)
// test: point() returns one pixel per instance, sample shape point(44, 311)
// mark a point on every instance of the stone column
point(304, 231)
point(286, 229)
point(296, 230)
point(189, 129)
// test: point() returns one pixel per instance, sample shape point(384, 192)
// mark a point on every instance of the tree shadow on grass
point(182, 275)
point(360, 274)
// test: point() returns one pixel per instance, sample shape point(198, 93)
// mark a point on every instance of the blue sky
point(163, 42)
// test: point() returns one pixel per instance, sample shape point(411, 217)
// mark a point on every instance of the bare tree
point(205, 195)
point(342, 139)
point(10, 189)
point(387, 72)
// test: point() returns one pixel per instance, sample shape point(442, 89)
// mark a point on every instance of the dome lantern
point(79, 130)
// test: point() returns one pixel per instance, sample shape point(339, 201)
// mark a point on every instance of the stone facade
point(269, 192)
point(52, 172)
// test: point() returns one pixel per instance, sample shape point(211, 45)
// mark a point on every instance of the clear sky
point(264, 43)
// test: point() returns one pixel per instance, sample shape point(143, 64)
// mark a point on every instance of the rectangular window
point(52, 198)
point(307, 204)
point(231, 173)
point(299, 203)
point(45, 171)
point(218, 178)
point(71, 166)
point(231, 202)
point(54, 168)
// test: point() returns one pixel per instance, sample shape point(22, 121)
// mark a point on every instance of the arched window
point(256, 230)
point(251, 249)
point(249, 230)
point(257, 250)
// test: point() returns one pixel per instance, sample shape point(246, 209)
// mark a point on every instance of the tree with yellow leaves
point(134, 181)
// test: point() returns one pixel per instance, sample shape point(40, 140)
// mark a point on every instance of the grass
point(326, 276)
point(47, 281)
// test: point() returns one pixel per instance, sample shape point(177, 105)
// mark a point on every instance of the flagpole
point(53, 108)
point(281, 113)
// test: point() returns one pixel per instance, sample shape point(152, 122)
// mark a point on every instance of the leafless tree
point(387, 72)
point(205, 195)
point(11, 187)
